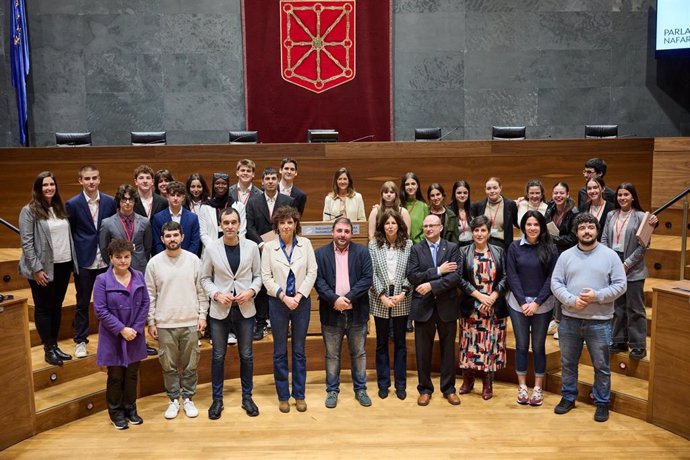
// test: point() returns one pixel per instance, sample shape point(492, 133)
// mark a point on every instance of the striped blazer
point(381, 281)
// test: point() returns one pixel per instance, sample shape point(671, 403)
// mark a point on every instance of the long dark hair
point(569, 202)
point(161, 174)
point(404, 199)
point(38, 204)
point(454, 202)
point(380, 234)
point(545, 246)
point(633, 191)
point(204, 189)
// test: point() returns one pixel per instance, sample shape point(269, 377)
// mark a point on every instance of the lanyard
point(493, 218)
point(597, 214)
point(128, 234)
point(619, 230)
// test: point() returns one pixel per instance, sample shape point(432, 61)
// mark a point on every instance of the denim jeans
point(281, 316)
point(356, 339)
point(383, 367)
point(526, 327)
point(219, 329)
point(572, 333)
point(179, 345)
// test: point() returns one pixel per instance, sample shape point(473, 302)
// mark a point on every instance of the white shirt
point(59, 238)
point(94, 209)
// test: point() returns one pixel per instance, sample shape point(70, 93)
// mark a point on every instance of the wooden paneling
point(370, 163)
point(669, 373)
point(671, 166)
point(15, 378)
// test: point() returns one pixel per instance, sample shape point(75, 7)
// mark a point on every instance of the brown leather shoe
point(487, 385)
point(467, 381)
point(284, 406)
point(424, 399)
point(301, 405)
point(452, 399)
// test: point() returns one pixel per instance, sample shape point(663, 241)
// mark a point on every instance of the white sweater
point(174, 285)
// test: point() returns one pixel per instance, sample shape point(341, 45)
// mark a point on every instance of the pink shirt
point(342, 275)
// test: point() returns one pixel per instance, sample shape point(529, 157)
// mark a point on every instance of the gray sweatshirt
point(599, 269)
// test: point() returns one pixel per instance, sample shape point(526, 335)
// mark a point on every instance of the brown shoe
point(284, 406)
point(301, 405)
point(423, 399)
point(487, 385)
point(467, 381)
point(452, 399)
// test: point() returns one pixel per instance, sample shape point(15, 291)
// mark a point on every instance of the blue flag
point(19, 59)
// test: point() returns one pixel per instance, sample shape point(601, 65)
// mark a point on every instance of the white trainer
point(232, 339)
point(189, 408)
point(80, 350)
point(553, 327)
point(173, 409)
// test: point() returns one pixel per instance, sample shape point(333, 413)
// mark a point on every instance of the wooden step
point(61, 404)
point(46, 375)
point(628, 394)
point(34, 338)
point(622, 364)
point(663, 257)
point(10, 279)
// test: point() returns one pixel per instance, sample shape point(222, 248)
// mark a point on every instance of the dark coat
point(509, 218)
point(116, 308)
point(567, 237)
point(258, 218)
point(157, 205)
point(469, 286)
point(84, 233)
point(300, 199)
point(190, 228)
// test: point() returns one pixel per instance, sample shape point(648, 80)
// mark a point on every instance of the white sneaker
point(189, 408)
point(232, 339)
point(555, 335)
point(80, 350)
point(173, 409)
point(553, 327)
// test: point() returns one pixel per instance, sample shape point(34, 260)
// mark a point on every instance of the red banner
point(318, 64)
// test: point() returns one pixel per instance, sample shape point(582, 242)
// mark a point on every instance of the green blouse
point(418, 211)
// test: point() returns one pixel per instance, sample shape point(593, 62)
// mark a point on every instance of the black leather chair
point(427, 134)
point(149, 137)
point(322, 135)
point(601, 131)
point(508, 133)
point(73, 139)
point(243, 137)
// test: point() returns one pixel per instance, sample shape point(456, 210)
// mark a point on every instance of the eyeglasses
point(431, 225)
point(220, 176)
point(127, 199)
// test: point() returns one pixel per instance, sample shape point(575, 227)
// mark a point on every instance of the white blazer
point(216, 275)
point(275, 268)
point(209, 225)
point(354, 207)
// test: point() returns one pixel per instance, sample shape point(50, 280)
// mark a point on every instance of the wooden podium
point(669, 373)
point(16, 377)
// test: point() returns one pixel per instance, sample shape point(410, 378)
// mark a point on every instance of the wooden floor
point(391, 428)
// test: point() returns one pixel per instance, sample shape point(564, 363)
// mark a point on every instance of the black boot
point(51, 356)
point(132, 416)
point(61, 354)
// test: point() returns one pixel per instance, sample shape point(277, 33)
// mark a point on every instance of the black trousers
point(84, 283)
point(424, 332)
point(121, 389)
point(48, 303)
point(261, 304)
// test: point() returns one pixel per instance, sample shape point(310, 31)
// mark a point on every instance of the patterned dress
point(483, 336)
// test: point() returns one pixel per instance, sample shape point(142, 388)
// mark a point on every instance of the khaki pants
point(179, 345)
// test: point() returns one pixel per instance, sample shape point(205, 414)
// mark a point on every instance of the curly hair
point(284, 213)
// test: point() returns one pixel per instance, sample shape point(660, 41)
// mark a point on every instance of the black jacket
point(467, 283)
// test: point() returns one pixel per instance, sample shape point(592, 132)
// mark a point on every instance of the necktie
point(434, 252)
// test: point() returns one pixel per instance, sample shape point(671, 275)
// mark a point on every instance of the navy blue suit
point(190, 227)
point(300, 198)
point(85, 236)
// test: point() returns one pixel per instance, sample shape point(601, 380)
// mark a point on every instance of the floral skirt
point(482, 342)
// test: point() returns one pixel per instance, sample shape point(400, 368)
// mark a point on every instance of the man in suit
point(176, 212)
point(344, 277)
point(86, 212)
point(594, 167)
point(434, 269)
point(148, 204)
point(231, 277)
point(244, 189)
point(288, 172)
point(260, 225)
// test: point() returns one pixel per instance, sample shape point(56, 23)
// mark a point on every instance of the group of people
point(184, 258)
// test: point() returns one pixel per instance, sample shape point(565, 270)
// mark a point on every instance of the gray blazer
point(381, 281)
point(633, 253)
point(111, 228)
point(216, 275)
point(37, 246)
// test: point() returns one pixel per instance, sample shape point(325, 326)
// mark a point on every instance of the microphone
point(370, 136)
point(333, 216)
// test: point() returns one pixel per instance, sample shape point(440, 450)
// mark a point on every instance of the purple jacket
point(117, 308)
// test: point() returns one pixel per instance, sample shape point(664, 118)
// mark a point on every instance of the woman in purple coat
point(121, 302)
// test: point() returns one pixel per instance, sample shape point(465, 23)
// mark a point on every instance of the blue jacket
point(84, 234)
point(190, 228)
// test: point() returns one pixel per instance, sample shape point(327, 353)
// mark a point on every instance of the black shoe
point(61, 354)
point(638, 353)
point(618, 348)
point(120, 423)
point(151, 351)
point(564, 406)
point(602, 413)
point(52, 357)
point(249, 407)
point(401, 394)
point(133, 417)
point(383, 393)
point(215, 409)
point(259, 332)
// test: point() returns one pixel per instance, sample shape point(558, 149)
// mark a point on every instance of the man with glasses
point(594, 167)
point(435, 270)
